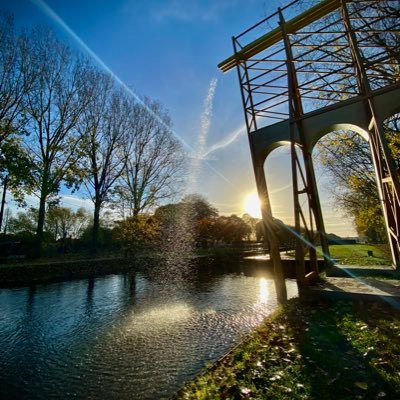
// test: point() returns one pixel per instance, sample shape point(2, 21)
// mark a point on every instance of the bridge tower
point(332, 67)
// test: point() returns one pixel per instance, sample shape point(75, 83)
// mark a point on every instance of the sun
point(252, 205)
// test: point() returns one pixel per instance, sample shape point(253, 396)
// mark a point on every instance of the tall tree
point(106, 126)
point(231, 229)
point(252, 222)
point(155, 160)
point(23, 222)
point(63, 223)
point(53, 106)
point(184, 223)
point(16, 77)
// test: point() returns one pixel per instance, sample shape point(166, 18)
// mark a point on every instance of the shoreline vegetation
point(25, 272)
point(310, 350)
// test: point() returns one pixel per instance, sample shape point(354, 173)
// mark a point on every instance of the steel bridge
point(335, 66)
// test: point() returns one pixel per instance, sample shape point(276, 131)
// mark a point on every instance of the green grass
point(357, 254)
point(325, 350)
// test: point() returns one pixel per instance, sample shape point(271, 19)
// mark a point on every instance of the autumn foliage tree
point(53, 107)
point(64, 124)
point(231, 229)
point(136, 233)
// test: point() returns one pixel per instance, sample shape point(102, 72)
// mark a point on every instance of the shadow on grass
point(319, 350)
point(338, 364)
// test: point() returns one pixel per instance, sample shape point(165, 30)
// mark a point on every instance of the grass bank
point(357, 254)
point(325, 350)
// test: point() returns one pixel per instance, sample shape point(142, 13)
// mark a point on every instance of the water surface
point(127, 336)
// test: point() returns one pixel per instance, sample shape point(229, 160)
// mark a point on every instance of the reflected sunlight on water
point(161, 315)
point(265, 287)
point(127, 336)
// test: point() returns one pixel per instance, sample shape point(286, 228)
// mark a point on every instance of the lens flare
point(252, 205)
point(56, 18)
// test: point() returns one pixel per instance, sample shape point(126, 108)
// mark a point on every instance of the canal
point(128, 336)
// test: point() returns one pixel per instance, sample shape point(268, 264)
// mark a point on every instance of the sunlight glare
point(252, 205)
point(264, 291)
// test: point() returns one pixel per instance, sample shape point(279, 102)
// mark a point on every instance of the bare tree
point(16, 76)
point(154, 165)
point(53, 106)
point(106, 125)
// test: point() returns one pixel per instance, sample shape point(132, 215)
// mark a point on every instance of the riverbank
point(74, 266)
point(323, 350)
point(25, 273)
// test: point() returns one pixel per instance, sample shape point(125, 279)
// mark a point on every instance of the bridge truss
point(334, 66)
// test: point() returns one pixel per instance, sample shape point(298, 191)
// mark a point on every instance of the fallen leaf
point(245, 391)
point(361, 385)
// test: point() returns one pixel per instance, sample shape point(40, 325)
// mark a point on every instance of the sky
point(169, 50)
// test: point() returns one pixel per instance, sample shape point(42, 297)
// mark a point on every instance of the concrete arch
point(390, 115)
point(267, 168)
point(337, 127)
point(270, 149)
point(351, 113)
point(387, 106)
point(267, 151)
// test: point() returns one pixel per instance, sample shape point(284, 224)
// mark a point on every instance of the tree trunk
point(3, 200)
point(40, 224)
point(96, 226)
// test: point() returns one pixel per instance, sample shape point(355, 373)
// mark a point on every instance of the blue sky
point(169, 50)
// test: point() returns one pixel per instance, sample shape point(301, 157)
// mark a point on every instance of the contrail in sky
point(206, 117)
point(55, 17)
point(281, 189)
point(202, 138)
point(227, 141)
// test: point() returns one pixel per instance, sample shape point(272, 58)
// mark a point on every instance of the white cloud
point(68, 201)
point(75, 202)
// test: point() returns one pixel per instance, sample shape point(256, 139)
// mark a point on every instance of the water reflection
point(89, 295)
point(136, 336)
point(264, 290)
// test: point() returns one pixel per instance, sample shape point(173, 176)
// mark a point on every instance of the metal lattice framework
point(334, 66)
